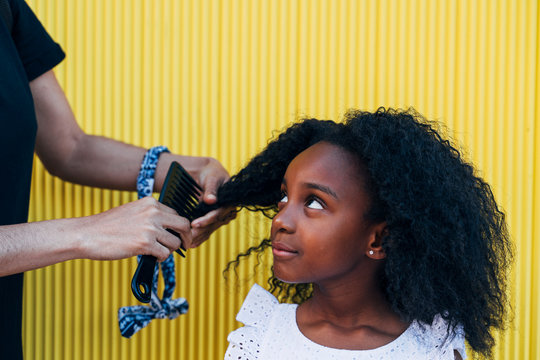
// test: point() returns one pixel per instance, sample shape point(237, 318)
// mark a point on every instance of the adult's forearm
point(103, 162)
point(30, 246)
point(100, 162)
point(69, 153)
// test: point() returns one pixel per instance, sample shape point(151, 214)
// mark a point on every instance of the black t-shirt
point(25, 54)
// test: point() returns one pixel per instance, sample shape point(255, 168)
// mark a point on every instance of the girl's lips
point(282, 250)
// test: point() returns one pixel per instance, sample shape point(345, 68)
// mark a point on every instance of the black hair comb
point(181, 193)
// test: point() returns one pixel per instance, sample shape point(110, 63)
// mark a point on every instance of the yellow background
point(211, 77)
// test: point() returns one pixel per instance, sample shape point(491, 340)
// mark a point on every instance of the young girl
point(386, 245)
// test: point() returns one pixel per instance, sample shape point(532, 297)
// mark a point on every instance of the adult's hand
point(132, 229)
point(211, 177)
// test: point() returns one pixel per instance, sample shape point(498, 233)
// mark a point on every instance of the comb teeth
point(187, 177)
point(182, 186)
point(180, 191)
point(180, 173)
point(183, 203)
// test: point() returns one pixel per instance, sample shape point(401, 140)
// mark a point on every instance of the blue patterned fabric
point(133, 318)
point(145, 180)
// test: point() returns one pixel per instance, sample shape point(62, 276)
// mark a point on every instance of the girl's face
point(319, 233)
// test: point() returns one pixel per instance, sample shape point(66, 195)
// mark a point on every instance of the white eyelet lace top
point(271, 332)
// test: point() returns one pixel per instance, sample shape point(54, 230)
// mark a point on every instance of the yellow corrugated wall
point(215, 77)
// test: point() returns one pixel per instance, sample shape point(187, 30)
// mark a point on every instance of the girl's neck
point(349, 303)
point(353, 315)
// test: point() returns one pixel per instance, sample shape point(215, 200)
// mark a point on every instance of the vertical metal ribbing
point(215, 78)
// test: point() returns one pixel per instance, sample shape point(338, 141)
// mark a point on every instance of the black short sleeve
point(37, 50)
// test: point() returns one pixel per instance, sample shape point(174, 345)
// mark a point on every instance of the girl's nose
point(284, 220)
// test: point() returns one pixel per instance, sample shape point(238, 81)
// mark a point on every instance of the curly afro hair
point(447, 246)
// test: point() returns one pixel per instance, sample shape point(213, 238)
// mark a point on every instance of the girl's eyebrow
point(322, 188)
point(316, 186)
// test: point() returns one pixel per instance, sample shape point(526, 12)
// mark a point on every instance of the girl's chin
point(287, 279)
point(287, 282)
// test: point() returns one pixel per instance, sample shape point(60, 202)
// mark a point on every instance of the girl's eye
point(314, 204)
point(284, 198)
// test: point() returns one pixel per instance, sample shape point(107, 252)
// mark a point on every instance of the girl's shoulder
point(437, 340)
point(258, 307)
point(258, 314)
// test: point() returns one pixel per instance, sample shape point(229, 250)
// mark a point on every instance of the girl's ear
point(375, 250)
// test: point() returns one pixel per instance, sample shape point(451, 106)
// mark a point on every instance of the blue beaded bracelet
point(145, 180)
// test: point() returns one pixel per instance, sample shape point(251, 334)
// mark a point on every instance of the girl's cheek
point(272, 230)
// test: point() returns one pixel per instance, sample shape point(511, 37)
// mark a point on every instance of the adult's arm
point(131, 229)
point(67, 152)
